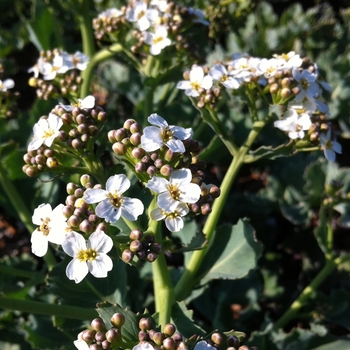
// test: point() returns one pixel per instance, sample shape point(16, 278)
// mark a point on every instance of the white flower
point(141, 15)
point(289, 60)
point(79, 60)
point(52, 228)
point(154, 137)
point(330, 147)
point(45, 131)
point(270, 67)
point(59, 65)
point(173, 219)
point(110, 13)
point(294, 124)
point(88, 256)
point(219, 73)
point(197, 81)
point(143, 346)
point(162, 5)
point(175, 190)
point(157, 40)
point(6, 84)
point(80, 344)
point(203, 345)
point(308, 86)
point(87, 102)
point(113, 204)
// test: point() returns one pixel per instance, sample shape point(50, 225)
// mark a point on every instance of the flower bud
point(100, 336)
point(98, 325)
point(177, 337)
point(74, 221)
point(151, 257)
point(80, 119)
point(136, 246)
point(51, 162)
point(120, 134)
point(206, 209)
point(169, 344)
point(166, 170)
point(111, 136)
point(145, 324)
point(233, 341)
point(285, 92)
point(136, 234)
point(158, 338)
point(88, 335)
point(68, 211)
point(273, 88)
point(158, 163)
point(127, 124)
point(86, 226)
point(31, 171)
point(77, 144)
point(119, 149)
point(127, 255)
point(118, 320)
point(155, 248)
point(140, 167)
point(151, 170)
point(101, 227)
point(113, 334)
point(217, 338)
point(92, 130)
point(169, 155)
point(106, 345)
point(137, 152)
point(143, 336)
point(102, 116)
point(214, 191)
point(135, 139)
point(135, 128)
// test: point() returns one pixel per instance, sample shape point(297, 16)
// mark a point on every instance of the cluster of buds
point(72, 127)
point(141, 245)
point(39, 160)
point(81, 123)
point(128, 147)
point(8, 97)
point(97, 337)
point(56, 73)
point(150, 26)
point(79, 214)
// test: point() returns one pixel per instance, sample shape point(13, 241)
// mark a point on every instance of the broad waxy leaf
point(232, 254)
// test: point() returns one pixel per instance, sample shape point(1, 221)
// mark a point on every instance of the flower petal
point(73, 243)
point(108, 211)
point(157, 184)
point(131, 208)
point(39, 243)
point(94, 195)
point(76, 270)
point(119, 183)
point(100, 266)
point(99, 241)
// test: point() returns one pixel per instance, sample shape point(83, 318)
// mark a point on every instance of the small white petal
point(94, 195)
point(98, 240)
point(39, 243)
point(100, 266)
point(119, 183)
point(76, 270)
point(73, 243)
point(174, 224)
point(157, 214)
point(157, 184)
point(131, 208)
point(107, 211)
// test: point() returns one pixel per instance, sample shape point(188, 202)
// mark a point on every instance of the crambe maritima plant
point(176, 174)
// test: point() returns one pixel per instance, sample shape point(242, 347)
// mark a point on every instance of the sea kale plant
point(174, 165)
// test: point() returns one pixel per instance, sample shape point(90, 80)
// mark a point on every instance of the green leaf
point(197, 242)
point(182, 319)
point(232, 254)
point(321, 230)
point(268, 152)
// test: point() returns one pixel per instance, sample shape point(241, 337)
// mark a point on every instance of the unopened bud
point(158, 338)
point(166, 170)
point(217, 338)
point(98, 325)
point(136, 234)
point(127, 255)
point(137, 152)
point(118, 320)
point(273, 88)
point(112, 335)
point(145, 324)
point(119, 149)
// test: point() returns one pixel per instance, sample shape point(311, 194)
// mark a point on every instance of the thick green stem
point(163, 288)
point(22, 211)
point(94, 61)
point(309, 290)
point(87, 34)
point(36, 307)
point(187, 280)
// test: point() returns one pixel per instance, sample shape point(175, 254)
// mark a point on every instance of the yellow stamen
point(87, 255)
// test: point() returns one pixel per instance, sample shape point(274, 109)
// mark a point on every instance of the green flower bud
point(119, 149)
point(217, 338)
point(118, 320)
point(158, 338)
point(127, 124)
point(166, 170)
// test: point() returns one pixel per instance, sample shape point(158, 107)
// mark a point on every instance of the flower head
point(308, 85)
point(88, 256)
point(157, 40)
point(178, 189)
point(197, 81)
point(45, 131)
point(330, 147)
point(52, 228)
point(60, 65)
point(173, 219)
point(87, 102)
point(219, 73)
point(293, 124)
point(141, 15)
point(6, 84)
point(161, 134)
point(79, 60)
point(112, 204)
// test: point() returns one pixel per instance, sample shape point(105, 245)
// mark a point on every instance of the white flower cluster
point(243, 69)
point(148, 19)
point(59, 64)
